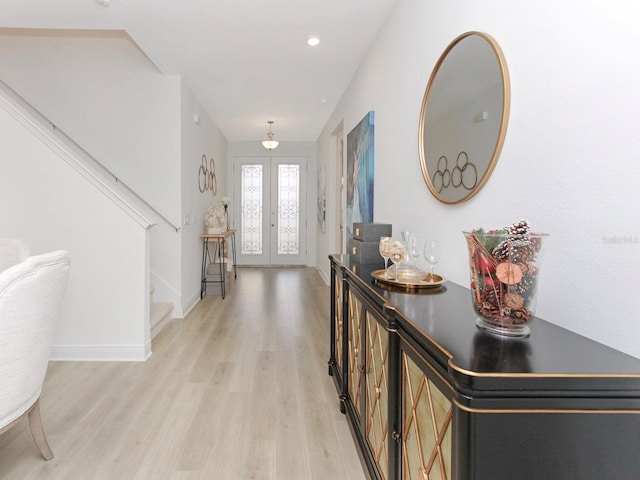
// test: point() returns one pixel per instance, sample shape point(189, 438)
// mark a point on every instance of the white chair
point(30, 298)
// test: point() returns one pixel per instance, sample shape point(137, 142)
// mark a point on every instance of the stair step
point(161, 315)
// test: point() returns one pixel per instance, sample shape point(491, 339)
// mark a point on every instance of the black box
point(364, 252)
point(371, 232)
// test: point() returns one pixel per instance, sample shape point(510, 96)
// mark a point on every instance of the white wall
point(569, 162)
point(106, 300)
point(103, 92)
point(197, 139)
point(329, 241)
point(302, 149)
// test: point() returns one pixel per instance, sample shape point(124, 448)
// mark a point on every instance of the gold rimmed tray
point(414, 280)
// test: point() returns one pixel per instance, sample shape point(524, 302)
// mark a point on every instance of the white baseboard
point(324, 277)
point(100, 353)
point(192, 302)
point(165, 293)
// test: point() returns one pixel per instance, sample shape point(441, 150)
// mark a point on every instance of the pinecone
point(490, 295)
point(526, 253)
point(514, 251)
point(502, 252)
point(521, 315)
point(518, 246)
point(513, 300)
point(527, 287)
point(489, 310)
point(519, 228)
point(529, 279)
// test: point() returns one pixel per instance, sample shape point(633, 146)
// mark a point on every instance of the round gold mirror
point(464, 116)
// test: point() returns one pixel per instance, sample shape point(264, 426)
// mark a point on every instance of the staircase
point(161, 315)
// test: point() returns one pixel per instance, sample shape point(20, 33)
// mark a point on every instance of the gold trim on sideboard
point(471, 373)
point(541, 410)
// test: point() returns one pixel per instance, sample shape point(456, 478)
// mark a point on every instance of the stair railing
point(78, 150)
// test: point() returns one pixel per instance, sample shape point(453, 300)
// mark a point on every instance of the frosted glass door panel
point(251, 209)
point(288, 209)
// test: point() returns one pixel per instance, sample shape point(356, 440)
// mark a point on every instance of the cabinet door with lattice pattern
point(337, 319)
point(355, 373)
point(426, 412)
point(377, 390)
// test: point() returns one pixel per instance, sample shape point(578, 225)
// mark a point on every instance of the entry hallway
point(236, 390)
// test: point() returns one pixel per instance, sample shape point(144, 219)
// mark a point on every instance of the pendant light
point(271, 143)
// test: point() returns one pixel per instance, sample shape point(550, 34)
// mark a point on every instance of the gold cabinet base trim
point(470, 373)
point(540, 410)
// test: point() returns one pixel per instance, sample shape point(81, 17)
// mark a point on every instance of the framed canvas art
point(360, 174)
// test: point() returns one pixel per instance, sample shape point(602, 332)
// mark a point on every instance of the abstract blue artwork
point(360, 174)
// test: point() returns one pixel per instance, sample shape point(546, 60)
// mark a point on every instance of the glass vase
point(505, 270)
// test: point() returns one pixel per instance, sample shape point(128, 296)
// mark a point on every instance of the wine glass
point(398, 252)
point(385, 245)
point(413, 252)
point(406, 238)
point(432, 254)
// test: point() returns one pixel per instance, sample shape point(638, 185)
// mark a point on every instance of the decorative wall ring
point(468, 172)
point(437, 181)
point(442, 176)
point(207, 176)
point(446, 178)
point(456, 177)
point(442, 167)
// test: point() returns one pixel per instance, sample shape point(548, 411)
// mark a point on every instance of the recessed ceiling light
point(313, 41)
point(104, 3)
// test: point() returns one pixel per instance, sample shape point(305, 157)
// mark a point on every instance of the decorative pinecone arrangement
point(504, 274)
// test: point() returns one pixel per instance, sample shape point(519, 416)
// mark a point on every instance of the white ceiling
point(246, 61)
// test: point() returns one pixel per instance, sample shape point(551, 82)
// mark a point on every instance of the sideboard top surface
point(442, 322)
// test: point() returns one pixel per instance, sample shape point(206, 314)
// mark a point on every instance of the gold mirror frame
point(483, 173)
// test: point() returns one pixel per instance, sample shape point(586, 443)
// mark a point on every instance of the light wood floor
point(237, 390)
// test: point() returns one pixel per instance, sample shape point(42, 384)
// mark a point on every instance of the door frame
point(269, 255)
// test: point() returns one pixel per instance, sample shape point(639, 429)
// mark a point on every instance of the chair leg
point(35, 424)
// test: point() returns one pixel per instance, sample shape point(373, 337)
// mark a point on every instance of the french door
point(270, 215)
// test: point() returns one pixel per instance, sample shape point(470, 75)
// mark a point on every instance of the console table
point(219, 253)
point(430, 396)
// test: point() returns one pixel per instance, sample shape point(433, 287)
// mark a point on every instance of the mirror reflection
point(464, 117)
